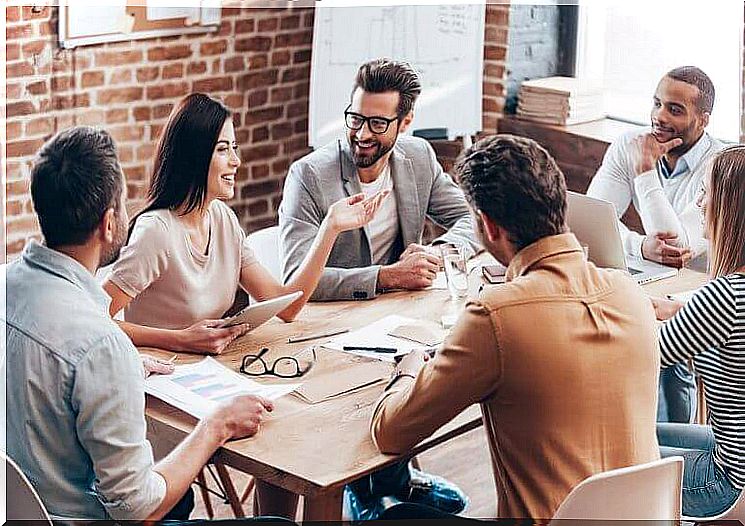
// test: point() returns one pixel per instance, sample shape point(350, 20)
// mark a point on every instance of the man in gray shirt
point(387, 253)
point(75, 389)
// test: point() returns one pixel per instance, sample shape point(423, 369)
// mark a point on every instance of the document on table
point(378, 334)
point(198, 388)
point(682, 297)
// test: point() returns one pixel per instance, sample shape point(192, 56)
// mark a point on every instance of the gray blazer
point(421, 190)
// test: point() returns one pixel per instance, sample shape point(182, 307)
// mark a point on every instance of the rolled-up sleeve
point(109, 401)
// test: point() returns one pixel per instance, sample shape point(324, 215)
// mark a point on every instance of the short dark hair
point(383, 74)
point(184, 153)
point(75, 178)
point(695, 77)
point(517, 184)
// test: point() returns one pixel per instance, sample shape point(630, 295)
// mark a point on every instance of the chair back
point(265, 244)
point(649, 491)
point(23, 503)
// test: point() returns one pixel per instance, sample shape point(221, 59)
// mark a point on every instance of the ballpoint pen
point(370, 349)
point(299, 339)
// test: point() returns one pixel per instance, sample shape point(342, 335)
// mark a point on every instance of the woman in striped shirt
point(710, 329)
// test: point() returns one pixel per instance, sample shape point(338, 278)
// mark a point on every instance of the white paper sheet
point(376, 335)
point(199, 387)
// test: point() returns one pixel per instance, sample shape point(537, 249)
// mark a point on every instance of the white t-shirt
point(384, 227)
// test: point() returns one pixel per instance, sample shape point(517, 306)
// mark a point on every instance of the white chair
point(23, 504)
point(649, 491)
point(735, 513)
point(265, 244)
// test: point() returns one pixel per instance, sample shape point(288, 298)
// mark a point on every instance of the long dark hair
point(183, 155)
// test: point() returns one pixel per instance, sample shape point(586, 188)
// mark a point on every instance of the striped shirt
point(710, 328)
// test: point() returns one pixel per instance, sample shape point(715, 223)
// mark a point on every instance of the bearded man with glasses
point(388, 253)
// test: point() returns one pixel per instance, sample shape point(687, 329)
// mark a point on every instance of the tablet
point(258, 313)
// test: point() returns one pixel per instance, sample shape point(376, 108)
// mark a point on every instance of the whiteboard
point(444, 43)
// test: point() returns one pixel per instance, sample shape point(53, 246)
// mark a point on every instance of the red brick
point(301, 126)
point(494, 70)
point(196, 68)
point(13, 130)
point(297, 108)
point(14, 208)
point(260, 171)
point(20, 31)
point(91, 79)
point(41, 126)
point(495, 52)
point(258, 61)
point(135, 173)
point(142, 113)
point(62, 83)
point(15, 109)
point(213, 48)
point(296, 146)
point(296, 73)
point(166, 91)
point(121, 76)
point(66, 102)
point(90, 117)
point(280, 58)
point(216, 67)
point(259, 79)
point(258, 208)
point(290, 22)
point(12, 52)
point(260, 189)
point(48, 28)
point(35, 12)
point(302, 90)
point(260, 134)
point(169, 52)
point(118, 58)
point(245, 26)
point(280, 166)
point(19, 186)
point(281, 94)
point(173, 71)
point(34, 47)
point(147, 74)
point(23, 224)
point(293, 39)
point(126, 133)
point(253, 44)
point(258, 98)
point(19, 69)
point(14, 91)
point(14, 247)
point(145, 152)
point(214, 84)
point(126, 153)
point(263, 115)
point(226, 28)
point(497, 15)
point(234, 64)
point(309, 18)
point(162, 111)
point(268, 24)
point(111, 96)
point(24, 148)
point(301, 56)
point(117, 115)
point(281, 131)
point(234, 100)
point(39, 87)
point(12, 14)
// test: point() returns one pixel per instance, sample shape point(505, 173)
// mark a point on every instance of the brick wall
point(258, 63)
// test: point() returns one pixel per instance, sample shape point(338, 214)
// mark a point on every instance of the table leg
point(326, 507)
point(230, 492)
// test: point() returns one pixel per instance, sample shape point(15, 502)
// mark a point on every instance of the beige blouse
point(172, 283)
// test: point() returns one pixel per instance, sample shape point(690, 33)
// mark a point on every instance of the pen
point(298, 339)
point(399, 357)
point(370, 349)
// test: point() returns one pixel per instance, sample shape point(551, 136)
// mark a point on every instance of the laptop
point(595, 224)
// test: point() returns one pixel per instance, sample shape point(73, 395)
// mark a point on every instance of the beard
point(365, 161)
point(111, 253)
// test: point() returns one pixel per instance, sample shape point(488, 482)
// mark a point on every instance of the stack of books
point(560, 100)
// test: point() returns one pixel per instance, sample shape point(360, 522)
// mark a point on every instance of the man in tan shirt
point(562, 358)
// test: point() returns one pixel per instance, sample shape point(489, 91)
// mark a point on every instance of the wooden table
point(315, 450)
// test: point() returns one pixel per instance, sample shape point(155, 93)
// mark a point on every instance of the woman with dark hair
point(710, 329)
point(186, 253)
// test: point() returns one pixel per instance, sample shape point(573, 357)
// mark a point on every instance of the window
point(628, 46)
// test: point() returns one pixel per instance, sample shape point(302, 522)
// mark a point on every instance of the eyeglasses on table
point(283, 367)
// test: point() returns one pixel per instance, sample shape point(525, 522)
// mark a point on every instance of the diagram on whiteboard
point(444, 43)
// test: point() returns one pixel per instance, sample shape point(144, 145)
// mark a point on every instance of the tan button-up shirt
point(563, 360)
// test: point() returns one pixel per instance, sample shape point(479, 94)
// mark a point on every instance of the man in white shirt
point(661, 172)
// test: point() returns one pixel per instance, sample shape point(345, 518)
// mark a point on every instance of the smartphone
point(493, 273)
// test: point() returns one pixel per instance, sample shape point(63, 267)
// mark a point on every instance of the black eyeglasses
point(283, 367)
point(377, 125)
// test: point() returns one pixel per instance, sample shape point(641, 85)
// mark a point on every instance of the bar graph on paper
point(198, 388)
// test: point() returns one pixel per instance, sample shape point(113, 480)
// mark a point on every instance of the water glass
point(455, 272)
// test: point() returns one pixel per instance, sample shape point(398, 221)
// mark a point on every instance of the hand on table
point(662, 248)
point(154, 365)
point(239, 417)
point(412, 363)
point(417, 270)
point(665, 309)
point(209, 337)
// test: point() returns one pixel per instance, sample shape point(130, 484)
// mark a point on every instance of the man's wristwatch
point(396, 377)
